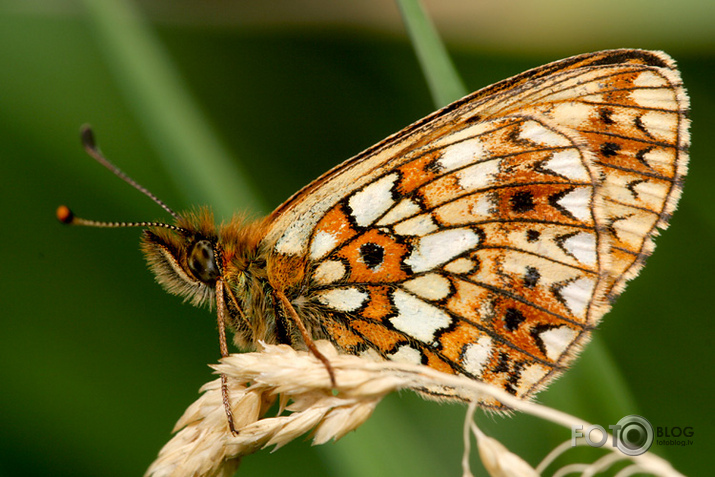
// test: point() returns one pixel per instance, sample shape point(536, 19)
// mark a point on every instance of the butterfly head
point(187, 260)
point(184, 256)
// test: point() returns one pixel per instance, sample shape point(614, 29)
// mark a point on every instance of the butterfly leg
point(221, 311)
point(304, 333)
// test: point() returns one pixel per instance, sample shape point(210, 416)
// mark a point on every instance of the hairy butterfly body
point(487, 239)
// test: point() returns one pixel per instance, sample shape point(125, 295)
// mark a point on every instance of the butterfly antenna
point(66, 216)
point(91, 147)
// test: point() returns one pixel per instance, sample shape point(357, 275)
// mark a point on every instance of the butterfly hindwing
point(489, 238)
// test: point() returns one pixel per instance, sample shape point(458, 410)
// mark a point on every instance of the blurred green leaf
point(444, 82)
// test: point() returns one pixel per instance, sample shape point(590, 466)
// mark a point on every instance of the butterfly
point(486, 240)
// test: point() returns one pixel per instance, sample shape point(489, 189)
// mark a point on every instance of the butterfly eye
point(202, 262)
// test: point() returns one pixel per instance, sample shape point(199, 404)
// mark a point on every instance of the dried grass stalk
point(204, 446)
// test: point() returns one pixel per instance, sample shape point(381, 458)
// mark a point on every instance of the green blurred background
point(97, 362)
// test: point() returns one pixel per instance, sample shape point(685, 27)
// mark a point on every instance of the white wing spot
point(577, 202)
point(373, 200)
point(652, 193)
point(407, 354)
point(477, 176)
point(567, 163)
point(371, 354)
point(659, 158)
point(440, 247)
point(343, 299)
point(419, 225)
point(466, 210)
point(578, 294)
point(460, 266)
point(649, 79)
point(582, 247)
point(484, 206)
point(655, 98)
point(322, 244)
point(573, 114)
point(557, 340)
point(663, 126)
point(431, 286)
point(536, 132)
point(631, 229)
point(417, 318)
point(531, 375)
point(476, 355)
point(461, 154)
point(405, 208)
point(328, 272)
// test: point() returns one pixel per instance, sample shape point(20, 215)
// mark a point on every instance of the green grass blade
point(174, 123)
point(443, 80)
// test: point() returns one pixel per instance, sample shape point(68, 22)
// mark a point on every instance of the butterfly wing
point(489, 238)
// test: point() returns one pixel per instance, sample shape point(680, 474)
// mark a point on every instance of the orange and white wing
point(489, 238)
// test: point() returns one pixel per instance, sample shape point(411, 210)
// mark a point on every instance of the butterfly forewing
point(489, 238)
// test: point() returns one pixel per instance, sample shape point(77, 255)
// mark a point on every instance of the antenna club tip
point(64, 214)
point(87, 136)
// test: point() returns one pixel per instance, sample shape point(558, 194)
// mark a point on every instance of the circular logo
point(634, 435)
